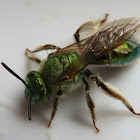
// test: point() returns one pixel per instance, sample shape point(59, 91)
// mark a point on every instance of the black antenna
point(12, 72)
point(29, 99)
point(29, 108)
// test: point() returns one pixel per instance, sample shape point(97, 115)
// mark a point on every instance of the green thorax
point(56, 67)
point(123, 54)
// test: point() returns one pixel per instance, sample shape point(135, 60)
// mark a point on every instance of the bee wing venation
point(121, 22)
point(109, 37)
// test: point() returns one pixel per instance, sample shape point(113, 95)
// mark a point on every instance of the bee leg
point(90, 103)
point(109, 90)
point(38, 49)
point(90, 27)
point(44, 47)
point(34, 59)
point(55, 105)
point(104, 19)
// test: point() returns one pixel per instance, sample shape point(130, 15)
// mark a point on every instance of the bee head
point(35, 87)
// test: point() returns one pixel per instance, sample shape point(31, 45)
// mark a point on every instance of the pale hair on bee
point(99, 43)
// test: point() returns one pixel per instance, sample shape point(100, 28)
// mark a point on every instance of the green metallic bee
point(106, 43)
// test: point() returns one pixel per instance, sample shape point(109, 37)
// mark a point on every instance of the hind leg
point(109, 90)
point(89, 28)
point(90, 103)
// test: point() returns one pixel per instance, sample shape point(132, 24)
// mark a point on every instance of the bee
point(106, 43)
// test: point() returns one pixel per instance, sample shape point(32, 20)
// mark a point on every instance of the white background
point(30, 23)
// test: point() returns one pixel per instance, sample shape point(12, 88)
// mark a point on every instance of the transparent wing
point(109, 37)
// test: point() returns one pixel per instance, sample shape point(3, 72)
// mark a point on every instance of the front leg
point(44, 47)
point(55, 105)
point(90, 103)
point(38, 49)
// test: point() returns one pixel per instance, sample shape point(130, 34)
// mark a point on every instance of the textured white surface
point(30, 23)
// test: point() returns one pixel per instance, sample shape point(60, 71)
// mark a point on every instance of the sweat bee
point(106, 43)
